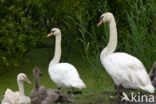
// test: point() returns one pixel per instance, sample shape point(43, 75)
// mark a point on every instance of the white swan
point(17, 97)
point(63, 74)
point(125, 70)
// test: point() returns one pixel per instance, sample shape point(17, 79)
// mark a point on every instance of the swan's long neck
point(112, 44)
point(57, 53)
point(37, 81)
point(21, 87)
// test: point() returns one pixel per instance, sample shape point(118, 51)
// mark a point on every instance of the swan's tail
point(149, 88)
point(79, 84)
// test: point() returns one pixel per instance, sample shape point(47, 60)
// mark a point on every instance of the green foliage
point(139, 40)
point(19, 32)
point(135, 21)
point(25, 23)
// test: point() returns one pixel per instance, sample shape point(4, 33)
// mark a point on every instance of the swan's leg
point(118, 90)
point(118, 93)
point(73, 90)
point(71, 93)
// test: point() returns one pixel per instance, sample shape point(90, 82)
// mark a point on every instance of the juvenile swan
point(63, 74)
point(40, 94)
point(17, 97)
point(126, 70)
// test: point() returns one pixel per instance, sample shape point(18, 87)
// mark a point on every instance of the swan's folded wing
point(64, 70)
point(10, 97)
point(37, 96)
point(8, 92)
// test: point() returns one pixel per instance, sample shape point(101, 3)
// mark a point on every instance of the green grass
point(96, 85)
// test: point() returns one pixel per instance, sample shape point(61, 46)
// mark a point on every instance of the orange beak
point(50, 34)
point(100, 22)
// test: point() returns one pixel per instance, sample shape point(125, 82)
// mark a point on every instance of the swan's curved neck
point(112, 44)
point(37, 80)
point(57, 53)
point(21, 87)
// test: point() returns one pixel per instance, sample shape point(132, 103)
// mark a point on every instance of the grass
point(96, 86)
point(136, 36)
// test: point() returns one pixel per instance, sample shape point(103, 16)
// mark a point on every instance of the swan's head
point(37, 71)
point(22, 77)
point(54, 31)
point(105, 17)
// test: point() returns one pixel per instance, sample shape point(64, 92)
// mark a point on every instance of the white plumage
point(125, 69)
point(63, 74)
point(10, 97)
point(17, 97)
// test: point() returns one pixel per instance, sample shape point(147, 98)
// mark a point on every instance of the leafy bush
point(19, 31)
point(135, 21)
point(25, 23)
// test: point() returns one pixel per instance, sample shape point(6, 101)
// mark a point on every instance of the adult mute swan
point(63, 74)
point(17, 97)
point(126, 70)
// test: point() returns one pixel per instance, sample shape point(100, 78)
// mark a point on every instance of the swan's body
point(125, 70)
point(17, 97)
point(42, 95)
point(63, 74)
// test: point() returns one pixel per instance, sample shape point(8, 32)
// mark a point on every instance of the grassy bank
point(40, 57)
